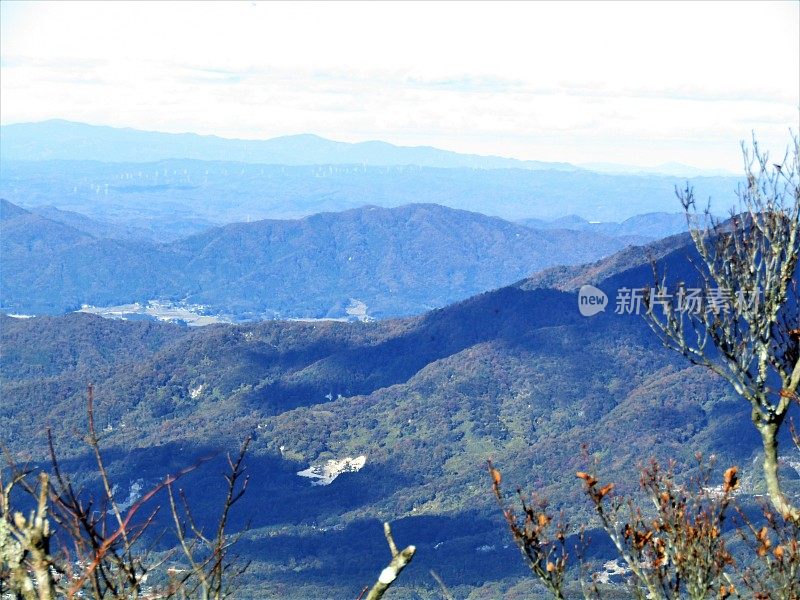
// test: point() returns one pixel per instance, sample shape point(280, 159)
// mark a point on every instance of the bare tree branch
point(399, 562)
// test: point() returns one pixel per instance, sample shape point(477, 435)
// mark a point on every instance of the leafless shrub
point(103, 553)
point(211, 573)
point(540, 538)
point(674, 548)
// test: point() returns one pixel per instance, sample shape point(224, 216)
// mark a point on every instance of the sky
point(640, 83)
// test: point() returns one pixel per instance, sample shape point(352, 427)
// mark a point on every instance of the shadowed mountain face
point(516, 375)
point(395, 261)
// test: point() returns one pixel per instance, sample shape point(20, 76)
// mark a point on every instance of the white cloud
point(628, 82)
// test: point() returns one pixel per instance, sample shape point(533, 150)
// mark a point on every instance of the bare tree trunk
point(40, 543)
point(31, 576)
point(769, 439)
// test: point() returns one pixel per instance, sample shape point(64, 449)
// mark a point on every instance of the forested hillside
point(517, 375)
point(395, 261)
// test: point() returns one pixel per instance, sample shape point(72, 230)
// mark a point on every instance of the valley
point(364, 263)
point(191, 315)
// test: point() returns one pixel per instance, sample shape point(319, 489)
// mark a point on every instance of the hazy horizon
point(630, 84)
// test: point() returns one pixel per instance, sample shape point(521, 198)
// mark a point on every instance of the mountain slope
point(48, 266)
point(95, 228)
point(397, 261)
point(516, 374)
point(10, 211)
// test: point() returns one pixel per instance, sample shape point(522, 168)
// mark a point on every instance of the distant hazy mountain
point(67, 140)
point(671, 169)
point(176, 198)
point(646, 227)
point(396, 261)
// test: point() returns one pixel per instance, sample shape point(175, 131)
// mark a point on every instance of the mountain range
point(176, 198)
point(168, 186)
point(515, 374)
point(396, 261)
point(58, 139)
point(68, 140)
